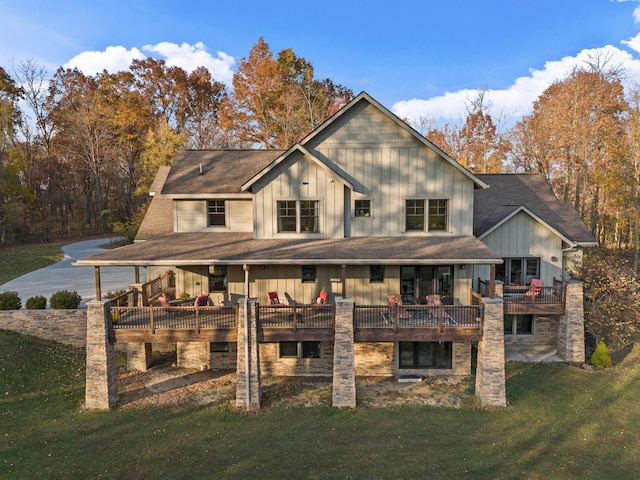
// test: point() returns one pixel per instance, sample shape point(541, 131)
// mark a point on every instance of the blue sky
point(419, 58)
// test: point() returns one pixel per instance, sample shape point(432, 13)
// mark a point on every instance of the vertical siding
point(240, 215)
point(522, 236)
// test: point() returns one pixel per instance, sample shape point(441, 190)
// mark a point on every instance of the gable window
point(518, 271)
point(300, 349)
point(437, 214)
point(376, 273)
point(217, 278)
point(216, 213)
point(308, 273)
point(298, 216)
point(426, 354)
point(518, 324)
point(363, 208)
point(414, 215)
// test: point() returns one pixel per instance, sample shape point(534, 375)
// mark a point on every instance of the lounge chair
point(535, 289)
point(435, 301)
point(202, 300)
point(274, 300)
point(322, 297)
point(395, 300)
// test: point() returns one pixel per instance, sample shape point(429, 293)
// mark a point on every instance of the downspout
point(247, 377)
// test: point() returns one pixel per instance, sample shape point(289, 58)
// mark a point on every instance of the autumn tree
point(276, 101)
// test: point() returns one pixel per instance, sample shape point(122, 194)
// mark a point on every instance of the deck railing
point(298, 316)
point(537, 295)
point(174, 317)
point(412, 316)
point(159, 284)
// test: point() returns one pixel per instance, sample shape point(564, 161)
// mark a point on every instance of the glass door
point(418, 282)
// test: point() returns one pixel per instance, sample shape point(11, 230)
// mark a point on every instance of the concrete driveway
point(64, 276)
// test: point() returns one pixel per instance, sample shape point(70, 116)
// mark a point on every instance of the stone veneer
point(272, 365)
point(490, 375)
point(248, 385)
point(571, 328)
point(63, 326)
point(139, 356)
point(101, 390)
point(192, 354)
point(344, 371)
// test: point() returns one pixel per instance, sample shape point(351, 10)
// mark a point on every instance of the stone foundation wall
point(224, 360)
point(272, 365)
point(192, 354)
point(545, 332)
point(375, 358)
point(63, 326)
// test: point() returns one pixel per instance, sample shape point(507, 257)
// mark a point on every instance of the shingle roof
point(238, 248)
point(158, 220)
point(223, 171)
point(509, 192)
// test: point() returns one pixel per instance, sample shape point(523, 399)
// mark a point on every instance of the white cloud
point(517, 100)
point(113, 59)
point(188, 57)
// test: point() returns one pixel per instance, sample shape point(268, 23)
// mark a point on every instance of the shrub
point(36, 303)
point(601, 357)
point(10, 301)
point(64, 300)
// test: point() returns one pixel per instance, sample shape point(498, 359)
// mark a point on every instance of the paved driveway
point(64, 276)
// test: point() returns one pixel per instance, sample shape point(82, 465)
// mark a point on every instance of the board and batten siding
point(299, 179)
point(191, 216)
point(522, 236)
point(389, 166)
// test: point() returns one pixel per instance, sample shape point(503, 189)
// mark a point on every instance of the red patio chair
point(396, 299)
point(435, 301)
point(274, 300)
point(535, 289)
point(202, 300)
point(322, 298)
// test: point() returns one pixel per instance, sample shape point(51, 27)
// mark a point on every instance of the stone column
point(139, 356)
point(344, 370)
point(490, 376)
point(101, 391)
point(248, 385)
point(571, 327)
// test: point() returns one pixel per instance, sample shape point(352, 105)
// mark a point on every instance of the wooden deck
point(296, 323)
point(547, 301)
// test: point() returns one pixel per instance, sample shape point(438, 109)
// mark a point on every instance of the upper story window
point(363, 208)
point(420, 213)
point(216, 213)
point(437, 214)
point(301, 216)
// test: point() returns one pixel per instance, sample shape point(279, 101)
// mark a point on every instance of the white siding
point(191, 216)
point(522, 236)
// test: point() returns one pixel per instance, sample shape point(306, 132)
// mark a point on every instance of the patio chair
point(202, 300)
point(395, 300)
point(321, 298)
point(274, 300)
point(535, 289)
point(435, 301)
point(164, 301)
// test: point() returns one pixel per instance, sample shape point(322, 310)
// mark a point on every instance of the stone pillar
point(139, 356)
point(490, 376)
point(101, 391)
point(248, 386)
point(571, 327)
point(192, 354)
point(344, 370)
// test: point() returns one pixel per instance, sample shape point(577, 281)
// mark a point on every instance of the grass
point(20, 259)
point(562, 423)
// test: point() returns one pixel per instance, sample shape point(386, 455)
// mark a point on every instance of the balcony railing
point(415, 316)
point(295, 316)
point(190, 317)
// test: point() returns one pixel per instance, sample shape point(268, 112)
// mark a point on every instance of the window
point(518, 324)
point(437, 215)
point(217, 278)
point(363, 208)
point(376, 273)
point(300, 349)
point(518, 271)
point(426, 354)
point(308, 273)
point(216, 213)
point(414, 215)
point(298, 216)
point(219, 347)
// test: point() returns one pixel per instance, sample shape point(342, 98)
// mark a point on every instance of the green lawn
point(562, 423)
point(20, 259)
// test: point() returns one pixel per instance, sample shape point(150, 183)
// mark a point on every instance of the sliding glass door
point(418, 282)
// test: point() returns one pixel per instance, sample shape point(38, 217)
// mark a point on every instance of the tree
point(276, 101)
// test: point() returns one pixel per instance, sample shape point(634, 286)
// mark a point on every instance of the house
point(364, 207)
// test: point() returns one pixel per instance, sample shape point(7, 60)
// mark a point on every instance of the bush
point(65, 300)
point(10, 301)
point(36, 303)
point(601, 357)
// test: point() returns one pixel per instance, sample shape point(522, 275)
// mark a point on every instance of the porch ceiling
point(242, 248)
